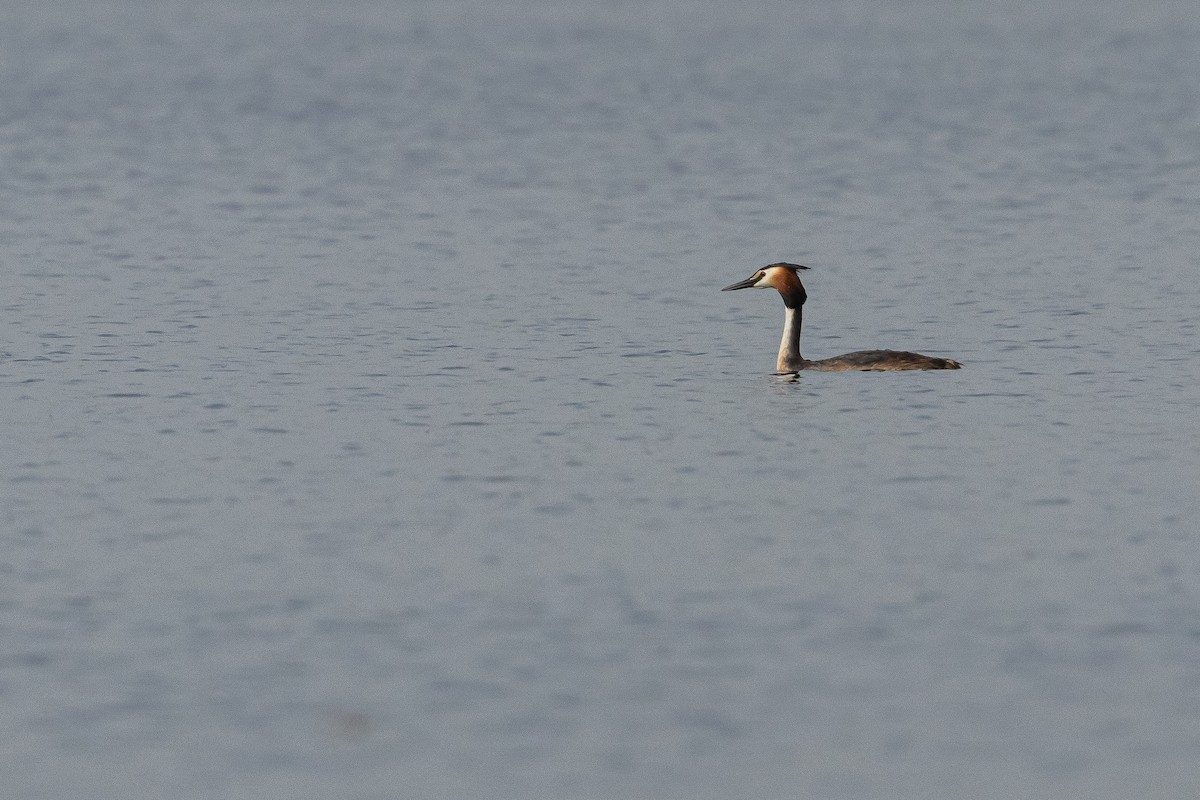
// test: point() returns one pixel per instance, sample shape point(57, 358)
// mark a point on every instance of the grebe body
point(785, 279)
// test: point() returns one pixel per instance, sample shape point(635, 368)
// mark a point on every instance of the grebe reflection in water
point(785, 279)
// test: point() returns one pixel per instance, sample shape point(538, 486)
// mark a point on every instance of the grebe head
point(783, 278)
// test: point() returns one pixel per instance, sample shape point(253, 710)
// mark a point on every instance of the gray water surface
point(374, 425)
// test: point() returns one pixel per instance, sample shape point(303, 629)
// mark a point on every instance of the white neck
point(789, 347)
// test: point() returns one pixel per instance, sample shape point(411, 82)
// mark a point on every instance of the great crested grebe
point(785, 279)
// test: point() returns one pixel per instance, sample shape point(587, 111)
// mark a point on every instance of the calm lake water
point(374, 426)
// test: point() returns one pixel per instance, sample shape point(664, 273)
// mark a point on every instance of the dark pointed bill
point(746, 284)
